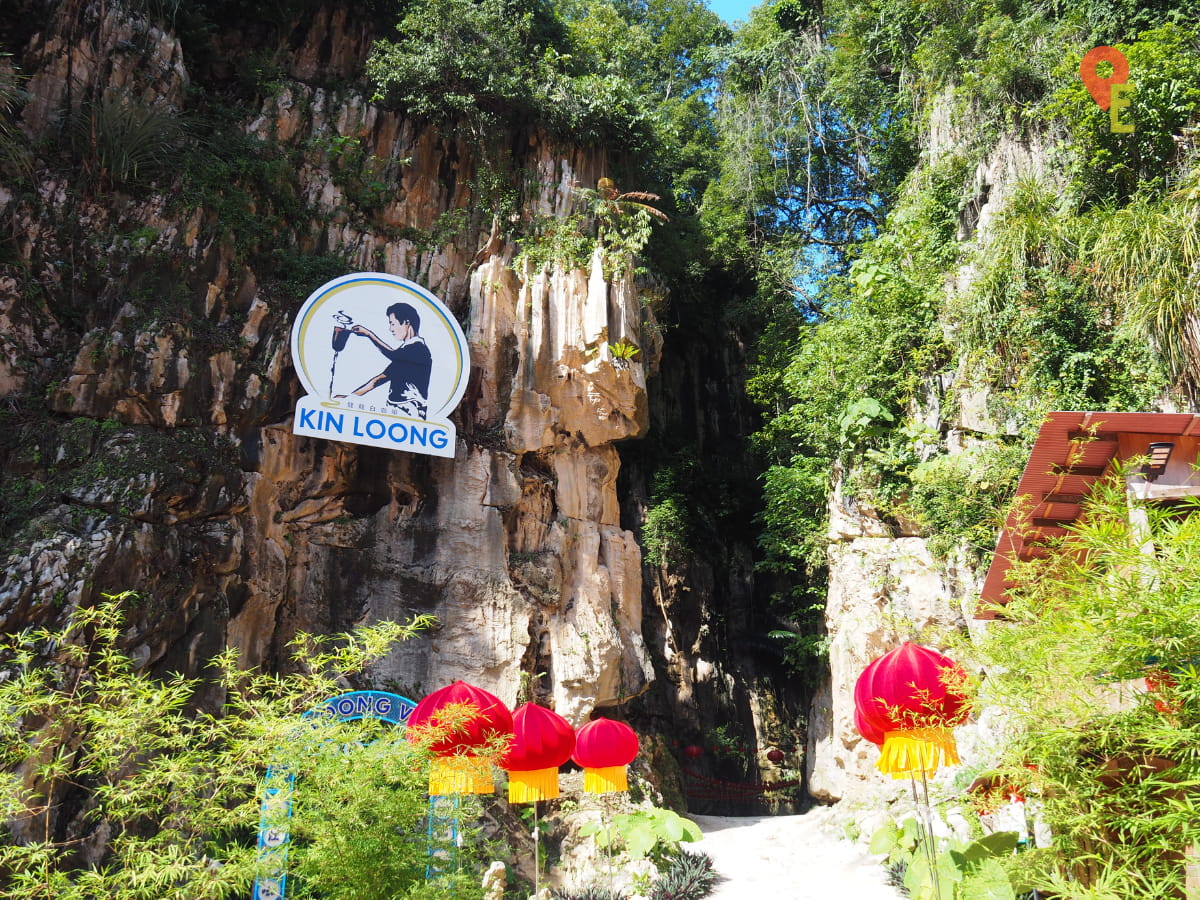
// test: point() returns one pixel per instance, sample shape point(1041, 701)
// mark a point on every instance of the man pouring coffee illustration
point(409, 363)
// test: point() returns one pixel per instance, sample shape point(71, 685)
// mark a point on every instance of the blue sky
point(732, 10)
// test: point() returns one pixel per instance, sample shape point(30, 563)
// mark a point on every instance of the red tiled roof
point(1072, 450)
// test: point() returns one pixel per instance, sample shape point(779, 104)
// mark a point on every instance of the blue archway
point(277, 797)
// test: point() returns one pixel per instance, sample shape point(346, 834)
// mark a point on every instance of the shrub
point(591, 892)
point(14, 146)
point(454, 57)
point(165, 794)
point(689, 876)
point(958, 500)
point(126, 143)
point(654, 833)
point(1112, 766)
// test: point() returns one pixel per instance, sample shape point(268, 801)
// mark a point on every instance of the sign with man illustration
point(384, 364)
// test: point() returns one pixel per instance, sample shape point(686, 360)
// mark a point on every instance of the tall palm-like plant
point(622, 218)
point(15, 158)
point(609, 202)
point(1148, 254)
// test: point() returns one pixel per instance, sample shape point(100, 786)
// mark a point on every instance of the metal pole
point(937, 881)
point(608, 843)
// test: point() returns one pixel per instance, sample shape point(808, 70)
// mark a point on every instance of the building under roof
point(1073, 450)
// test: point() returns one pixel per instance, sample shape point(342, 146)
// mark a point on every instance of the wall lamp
point(1157, 455)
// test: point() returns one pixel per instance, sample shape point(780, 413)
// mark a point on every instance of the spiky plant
point(15, 157)
point(126, 143)
point(690, 877)
point(894, 875)
point(591, 892)
point(1148, 255)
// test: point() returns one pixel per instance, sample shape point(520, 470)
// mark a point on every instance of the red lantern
point(913, 696)
point(456, 769)
point(1159, 681)
point(775, 756)
point(604, 748)
point(691, 751)
point(866, 729)
point(542, 741)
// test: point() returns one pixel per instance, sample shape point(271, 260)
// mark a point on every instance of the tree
point(125, 785)
point(482, 62)
point(812, 149)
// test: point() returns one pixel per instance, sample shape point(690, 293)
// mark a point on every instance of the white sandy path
point(788, 858)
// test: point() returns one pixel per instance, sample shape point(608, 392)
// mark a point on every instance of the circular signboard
point(384, 363)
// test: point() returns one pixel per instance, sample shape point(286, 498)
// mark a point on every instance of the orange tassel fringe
point(603, 780)
point(460, 775)
point(532, 785)
point(917, 750)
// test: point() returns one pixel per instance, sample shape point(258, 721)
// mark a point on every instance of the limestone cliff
point(147, 439)
point(885, 584)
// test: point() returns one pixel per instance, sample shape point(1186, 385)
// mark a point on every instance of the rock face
point(145, 365)
point(885, 587)
point(882, 592)
point(169, 444)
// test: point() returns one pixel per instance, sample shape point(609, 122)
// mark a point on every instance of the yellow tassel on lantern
point(917, 750)
point(603, 780)
point(459, 775)
point(532, 785)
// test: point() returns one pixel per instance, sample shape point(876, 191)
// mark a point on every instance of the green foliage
point(125, 143)
point(590, 892)
point(455, 57)
point(794, 514)
point(503, 63)
point(15, 155)
point(1053, 320)
point(655, 833)
point(618, 224)
point(689, 876)
point(668, 531)
point(727, 744)
point(1165, 72)
point(23, 497)
point(166, 790)
point(247, 189)
point(660, 45)
point(864, 419)
point(966, 870)
point(301, 273)
point(851, 373)
point(808, 152)
point(665, 532)
point(623, 222)
point(1112, 768)
point(801, 649)
point(555, 239)
point(367, 180)
point(662, 55)
point(1145, 255)
point(623, 350)
point(958, 500)
point(359, 808)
